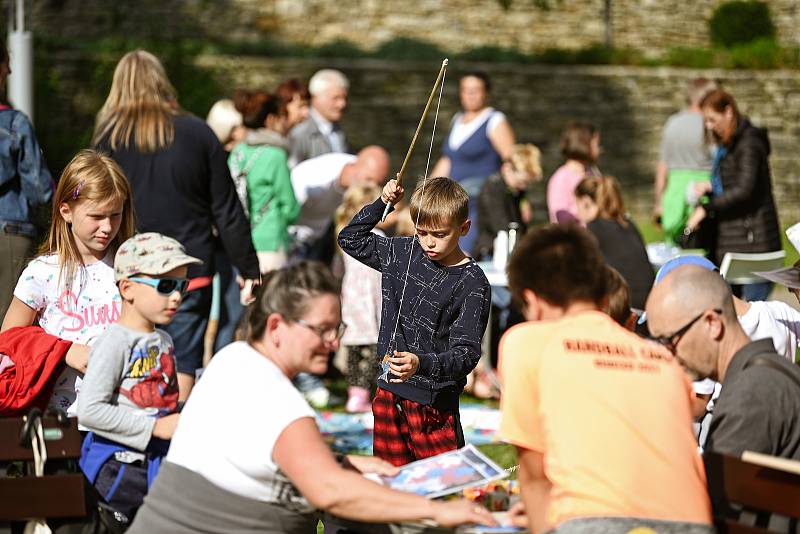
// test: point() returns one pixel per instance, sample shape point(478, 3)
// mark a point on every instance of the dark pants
point(15, 250)
point(753, 292)
point(122, 486)
point(188, 329)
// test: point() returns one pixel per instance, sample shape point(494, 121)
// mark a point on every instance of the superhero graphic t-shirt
point(131, 380)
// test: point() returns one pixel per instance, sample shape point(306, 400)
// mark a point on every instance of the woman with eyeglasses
point(738, 199)
point(247, 455)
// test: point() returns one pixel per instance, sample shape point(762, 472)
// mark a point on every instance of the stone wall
point(652, 26)
point(629, 105)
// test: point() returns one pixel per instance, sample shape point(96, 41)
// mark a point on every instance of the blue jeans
point(305, 382)
point(188, 330)
point(754, 292)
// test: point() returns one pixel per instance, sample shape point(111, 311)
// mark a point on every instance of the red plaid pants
point(406, 431)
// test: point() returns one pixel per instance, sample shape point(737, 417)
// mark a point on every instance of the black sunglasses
point(164, 286)
point(670, 342)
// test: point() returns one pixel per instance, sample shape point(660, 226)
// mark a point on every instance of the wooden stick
point(416, 134)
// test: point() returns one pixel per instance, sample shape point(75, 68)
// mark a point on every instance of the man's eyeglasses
point(164, 286)
point(670, 342)
point(328, 335)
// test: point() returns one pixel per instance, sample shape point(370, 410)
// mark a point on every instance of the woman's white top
point(460, 132)
point(229, 425)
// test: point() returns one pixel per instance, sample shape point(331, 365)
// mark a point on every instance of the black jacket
point(498, 206)
point(623, 248)
point(759, 407)
point(183, 190)
point(745, 213)
point(443, 311)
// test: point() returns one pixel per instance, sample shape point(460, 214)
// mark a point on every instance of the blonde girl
point(69, 288)
point(361, 308)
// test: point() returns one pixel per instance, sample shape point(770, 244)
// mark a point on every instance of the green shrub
point(740, 22)
point(340, 48)
point(594, 55)
point(759, 54)
point(695, 58)
point(495, 54)
point(556, 56)
point(409, 49)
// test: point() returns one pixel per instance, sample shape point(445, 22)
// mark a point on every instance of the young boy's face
point(149, 303)
point(515, 179)
point(440, 243)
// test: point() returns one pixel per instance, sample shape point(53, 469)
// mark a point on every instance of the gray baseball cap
point(150, 253)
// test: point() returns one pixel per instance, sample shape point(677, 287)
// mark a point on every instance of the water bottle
point(500, 250)
point(513, 229)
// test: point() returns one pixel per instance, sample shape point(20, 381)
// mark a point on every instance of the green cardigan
point(268, 181)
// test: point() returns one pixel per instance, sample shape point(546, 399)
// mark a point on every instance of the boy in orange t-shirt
point(600, 417)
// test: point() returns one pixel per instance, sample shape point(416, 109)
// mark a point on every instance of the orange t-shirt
point(610, 413)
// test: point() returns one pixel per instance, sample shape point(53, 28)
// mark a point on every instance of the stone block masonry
point(651, 26)
point(628, 104)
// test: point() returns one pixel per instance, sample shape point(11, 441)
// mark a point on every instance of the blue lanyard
point(716, 179)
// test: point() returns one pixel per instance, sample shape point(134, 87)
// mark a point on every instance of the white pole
point(20, 49)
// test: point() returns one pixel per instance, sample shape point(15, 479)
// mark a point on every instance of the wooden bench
point(54, 495)
point(757, 483)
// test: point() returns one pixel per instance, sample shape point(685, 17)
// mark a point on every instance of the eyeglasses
point(164, 286)
point(328, 335)
point(670, 342)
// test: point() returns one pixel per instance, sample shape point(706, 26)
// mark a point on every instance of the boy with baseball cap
point(129, 394)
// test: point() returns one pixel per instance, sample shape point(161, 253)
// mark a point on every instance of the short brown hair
point(256, 106)
point(290, 88)
point(287, 292)
point(619, 297)
point(576, 141)
point(560, 263)
point(439, 201)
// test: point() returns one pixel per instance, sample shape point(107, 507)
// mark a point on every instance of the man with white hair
point(320, 132)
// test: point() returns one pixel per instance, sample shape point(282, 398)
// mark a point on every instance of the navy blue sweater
point(443, 316)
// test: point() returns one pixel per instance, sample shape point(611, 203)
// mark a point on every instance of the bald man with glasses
point(691, 313)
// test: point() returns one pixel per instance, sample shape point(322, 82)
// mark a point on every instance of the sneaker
point(357, 400)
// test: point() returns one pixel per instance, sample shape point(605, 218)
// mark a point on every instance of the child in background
point(361, 307)
point(502, 198)
point(602, 210)
point(435, 306)
point(619, 299)
point(130, 392)
point(69, 288)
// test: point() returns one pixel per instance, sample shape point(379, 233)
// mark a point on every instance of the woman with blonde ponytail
point(602, 210)
point(182, 188)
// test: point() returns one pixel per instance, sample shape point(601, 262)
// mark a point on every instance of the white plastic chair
point(738, 267)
